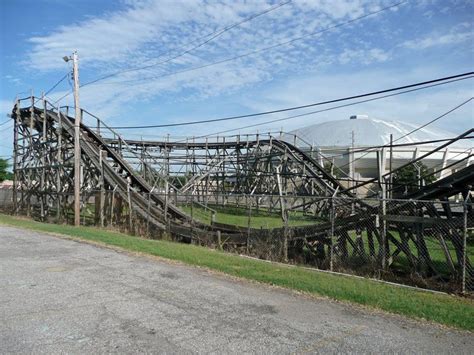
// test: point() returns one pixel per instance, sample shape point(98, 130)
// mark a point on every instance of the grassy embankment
point(445, 309)
point(239, 216)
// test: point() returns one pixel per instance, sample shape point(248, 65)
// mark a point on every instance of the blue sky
point(417, 41)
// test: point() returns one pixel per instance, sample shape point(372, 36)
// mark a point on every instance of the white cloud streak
point(458, 34)
point(143, 30)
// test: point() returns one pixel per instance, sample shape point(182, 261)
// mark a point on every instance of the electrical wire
point(260, 49)
point(374, 148)
point(59, 82)
point(434, 172)
point(5, 129)
point(62, 97)
point(325, 110)
point(212, 35)
point(5, 122)
point(298, 107)
point(249, 53)
point(416, 129)
point(332, 108)
point(415, 160)
point(329, 109)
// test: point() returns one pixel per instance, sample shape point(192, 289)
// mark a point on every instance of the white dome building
point(341, 142)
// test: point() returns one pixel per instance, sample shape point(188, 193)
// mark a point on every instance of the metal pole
point(285, 237)
point(383, 224)
point(390, 166)
point(249, 223)
point(332, 216)
point(464, 246)
point(77, 146)
point(382, 207)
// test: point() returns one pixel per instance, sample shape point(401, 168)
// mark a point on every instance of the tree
point(409, 179)
point(332, 169)
point(4, 173)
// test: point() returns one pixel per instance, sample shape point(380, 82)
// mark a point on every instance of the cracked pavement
point(64, 296)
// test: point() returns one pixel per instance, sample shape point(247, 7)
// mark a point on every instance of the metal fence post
point(166, 200)
point(192, 217)
point(332, 217)
point(464, 247)
point(383, 231)
point(249, 222)
point(285, 237)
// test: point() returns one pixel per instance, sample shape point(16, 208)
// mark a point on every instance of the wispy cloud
point(144, 30)
point(140, 32)
point(13, 79)
point(458, 34)
point(364, 56)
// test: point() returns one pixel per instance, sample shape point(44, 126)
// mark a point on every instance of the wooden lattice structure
point(141, 184)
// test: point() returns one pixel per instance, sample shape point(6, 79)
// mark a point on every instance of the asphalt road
point(62, 296)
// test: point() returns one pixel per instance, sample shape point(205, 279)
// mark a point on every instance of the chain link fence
point(429, 244)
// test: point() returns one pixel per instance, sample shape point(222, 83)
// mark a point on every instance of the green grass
point(445, 309)
point(238, 216)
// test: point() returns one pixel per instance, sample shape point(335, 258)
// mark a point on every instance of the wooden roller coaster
point(144, 185)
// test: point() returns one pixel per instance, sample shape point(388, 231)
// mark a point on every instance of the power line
point(5, 122)
point(323, 110)
point(341, 24)
point(212, 35)
point(416, 129)
point(415, 159)
point(62, 97)
point(55, 85)
point(371, 149)
point(5, 129)
point(331, 108)
point(434, 172)
point(469, 74)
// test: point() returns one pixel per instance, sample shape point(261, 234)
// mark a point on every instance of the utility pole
point(77, 143)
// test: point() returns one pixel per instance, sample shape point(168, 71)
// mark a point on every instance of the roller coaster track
point(315, 170)
point(459, 182)
point(118, 173)
point(111, 164)
point(130, 185)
